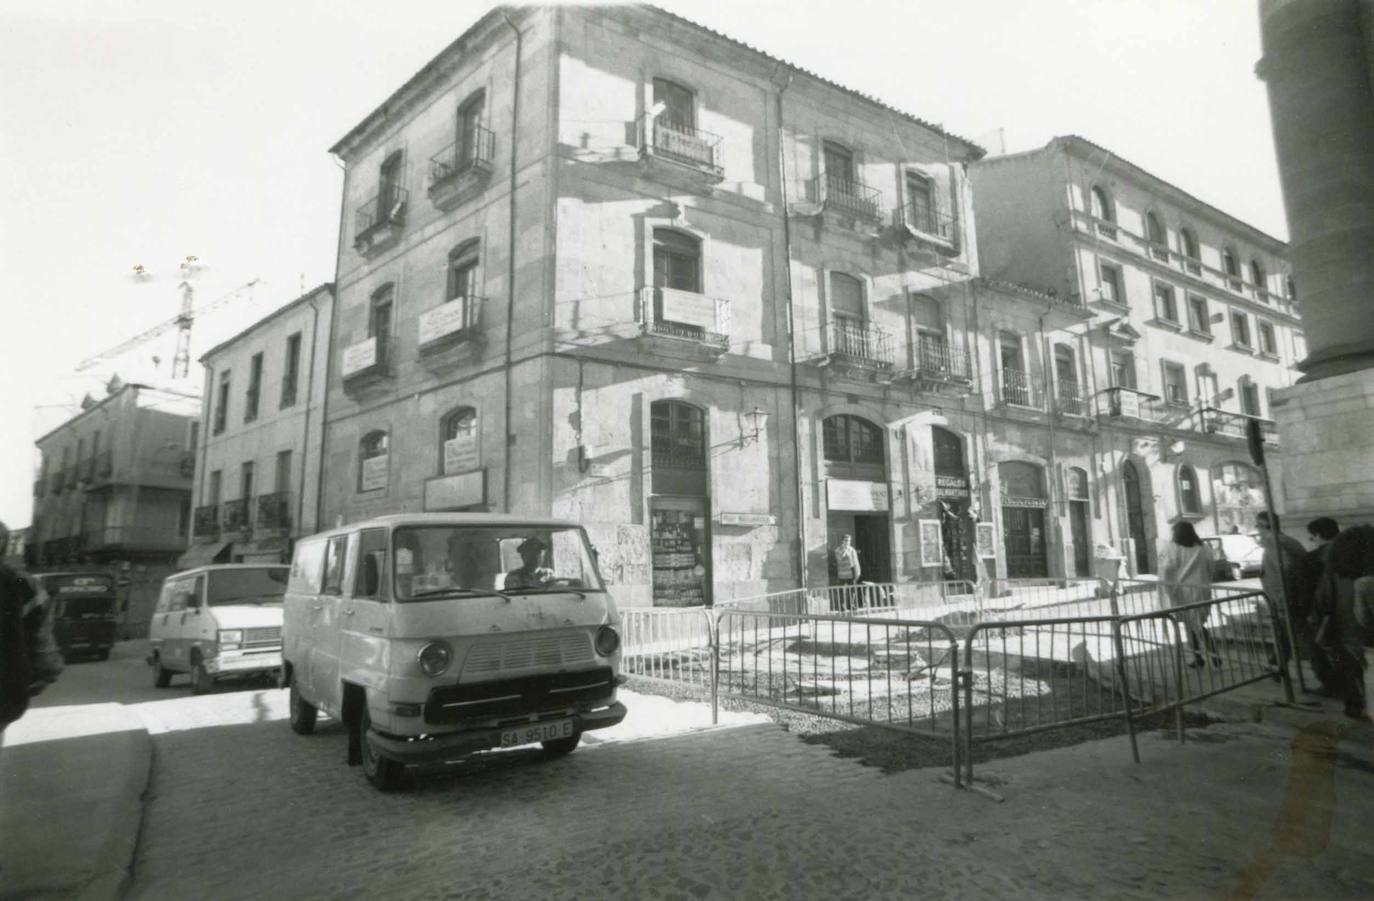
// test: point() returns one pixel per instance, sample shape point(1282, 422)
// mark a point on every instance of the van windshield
point(258, 585)
point(438, 561)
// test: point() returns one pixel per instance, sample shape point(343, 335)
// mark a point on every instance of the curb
point(113, 870)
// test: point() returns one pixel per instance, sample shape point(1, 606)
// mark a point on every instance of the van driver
point(531, 574)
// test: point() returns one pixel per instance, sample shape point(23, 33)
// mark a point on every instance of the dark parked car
point(1234, 557)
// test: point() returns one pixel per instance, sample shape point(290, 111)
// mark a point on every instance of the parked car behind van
point(432, 636)
point(85, 612)
point(218, 622)
point(1235, 557)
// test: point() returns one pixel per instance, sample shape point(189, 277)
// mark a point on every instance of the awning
point(202, 554)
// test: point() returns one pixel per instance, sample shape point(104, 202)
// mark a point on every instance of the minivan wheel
point(560, 746)
point(303, 713)
point(384, 773)
point(201, 681)
point(162, 677)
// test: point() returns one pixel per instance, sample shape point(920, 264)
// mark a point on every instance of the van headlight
point(230, 639)
point(607, 641)
point(434, 658)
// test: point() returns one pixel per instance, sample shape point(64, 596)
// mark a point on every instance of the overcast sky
point(140, 133)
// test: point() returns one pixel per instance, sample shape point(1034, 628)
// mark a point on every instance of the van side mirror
point(372, 576)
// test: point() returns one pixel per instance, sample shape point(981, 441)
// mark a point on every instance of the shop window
point(1189, 496)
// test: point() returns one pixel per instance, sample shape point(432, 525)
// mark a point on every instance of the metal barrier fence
point(672, 644)
point(865, 597)
point(894, 673)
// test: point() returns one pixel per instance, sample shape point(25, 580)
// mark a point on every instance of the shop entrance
point(679, 510)
point(952, 491)
point(1078, 521)
point(1135, 516)
point(870, 535)
point(1023, 520)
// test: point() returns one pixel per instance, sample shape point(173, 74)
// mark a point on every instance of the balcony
point(1106, 228)
point(1216, 421)
point(365, 363)
point(132, 538)
point(378, 222)
point(939, 367)
point(679, 152)
point(850, 344)
point(234, 517)
point(461, 169)
point(848, 199)
point(1016, 388)
point(456, 322)
point(206, 522)
point(1069, 398)
point(274, 513)
point(930, 225)
point(1128, 403)
point(674, 319)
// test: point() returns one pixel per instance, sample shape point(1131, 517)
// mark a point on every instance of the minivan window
point(264, 585)
point(307, 564)
point(435, 561)
point(371, 577)
point(334, 565)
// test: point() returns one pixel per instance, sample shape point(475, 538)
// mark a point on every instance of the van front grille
point(521, 696)
point(262, 638)
point(500, 654)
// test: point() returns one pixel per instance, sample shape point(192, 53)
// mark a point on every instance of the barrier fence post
point(713, 636)
point(954, 705)
point(966, 677)
point(1178, 675)
point(1282, 659)
point(1125, 686)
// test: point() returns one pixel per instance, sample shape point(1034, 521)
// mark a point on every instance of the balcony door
point(679, 105)
point(388, 184)
point(847, 312)
point(1135, 516)
point(469, 125)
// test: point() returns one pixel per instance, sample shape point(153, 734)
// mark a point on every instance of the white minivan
point(218, 622)
point(435, 635)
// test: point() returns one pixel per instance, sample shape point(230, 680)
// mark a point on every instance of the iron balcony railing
point(1130, 403)
point(1018, 388)
point(680, 143)
point(206, 521)
point(1069, 398)
point(853, 198)
point(1230, 423)
point(274, 511)
point(859, 342)
point(928, 221)
point(387, 208)
point(939, 360)
point(473, 154)
point(235, 515)
point(671, 313)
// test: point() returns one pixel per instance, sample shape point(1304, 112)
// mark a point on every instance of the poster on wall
point(985, 539)
point(374, 473)
point(932, 547)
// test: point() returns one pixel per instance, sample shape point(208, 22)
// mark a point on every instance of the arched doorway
point(679, 521)
point(1079, 532)
point(1023, 520)
point(856, 492)
point(952, 497)
point(1135, 516)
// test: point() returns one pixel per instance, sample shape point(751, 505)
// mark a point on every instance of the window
point(677, 435)
point(246, 481)
point(847, 312)
point(458, 450)
point(216, 486)
point(1257, 278)
point(1269, 345)
point(250, 407)
point(1199, 319)
point(1189, 497)
point(1103, 211)
point(1109, 282)
point(851, 439)
point(931, 350)
point(334, 565)
point(379, 321)
point(1240, 330)
point(222, 407)
point(1238, 494)
point(1208, 389)
point(1175, 383)
point(1016, 388)
point(283, 478)
point(1232, 267)
point(839, 164)
point(1123, 369)
point(470, 149)
point(920, 205)
point(389, 196)
point(1299, 346)
point(462, 271)
point(1249, 398)
point(291, 370)
point(1166, 305)
point(677, 261)
point(1159, 239)
point(679, 105)
point(372, 461)
point(371, 546)
point(1291, 288)
point(1066, 380)
point(1192, 259)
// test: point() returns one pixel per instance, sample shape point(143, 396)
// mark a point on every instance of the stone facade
point(257, 477)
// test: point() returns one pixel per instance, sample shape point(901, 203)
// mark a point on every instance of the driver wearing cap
point(532, 574)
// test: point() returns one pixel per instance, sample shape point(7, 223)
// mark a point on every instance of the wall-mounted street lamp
point(756, 417)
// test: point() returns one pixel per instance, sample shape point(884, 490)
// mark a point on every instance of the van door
point(186, 624)
point(173, 650)
point(157, 628)
point(363, 620)
point(324, 662)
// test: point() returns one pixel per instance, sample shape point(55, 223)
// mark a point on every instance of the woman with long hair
point(1185, 577)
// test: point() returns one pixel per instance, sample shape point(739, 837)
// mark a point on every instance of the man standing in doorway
point(847, 569)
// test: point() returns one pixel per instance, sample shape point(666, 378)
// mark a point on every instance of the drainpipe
point(305, 440)
point(794, 390)
point(328, 361)
point(510, 269)
point(1059, 504)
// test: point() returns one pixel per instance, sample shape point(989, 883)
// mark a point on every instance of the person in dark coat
point(1336, 633)
point(29, 658)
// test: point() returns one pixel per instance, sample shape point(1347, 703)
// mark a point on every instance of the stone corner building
point(606, 264)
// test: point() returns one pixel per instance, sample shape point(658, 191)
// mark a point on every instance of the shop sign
point(359, 356)
point(1128, 404)
point(951, 486)
point(465, 489)
point(374, 473)
point(443, 320)
point(746, 519)
point(852, 494)
point(1039, 503)
point(460, 451)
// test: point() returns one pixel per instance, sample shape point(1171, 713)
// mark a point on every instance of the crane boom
point(180, 320)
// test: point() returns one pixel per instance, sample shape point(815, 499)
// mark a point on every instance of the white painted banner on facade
point(443, 320)
point(374, 473)
point(462, 490)
point(359, 356)
point(851, 494)
point(460, 452)
point(689, 308)
point(1129, 403)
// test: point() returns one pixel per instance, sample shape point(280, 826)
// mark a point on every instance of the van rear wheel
point(162, 677)
point(303, 713)
point(384, 773)
point(561, 746)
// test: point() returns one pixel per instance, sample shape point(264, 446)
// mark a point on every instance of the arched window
point(462, 270)
point(470, 145)
point(1102, 205)
point(677, 433)
point(389, 195)
point(852, 441)
point(1189, 495)
point(1158, 238)
point(458, 448)
point(373, 453)
point(1231, 265)
point(1192, 257)
point(948, 451)
point(1257, 278)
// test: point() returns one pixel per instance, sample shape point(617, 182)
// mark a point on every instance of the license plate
point(527, 735)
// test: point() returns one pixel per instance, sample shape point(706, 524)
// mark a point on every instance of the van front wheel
point(201, 680)
point(162, 677)
point(303, 713)
point(382, 772)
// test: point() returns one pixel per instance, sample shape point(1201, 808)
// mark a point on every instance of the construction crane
point(181, 363)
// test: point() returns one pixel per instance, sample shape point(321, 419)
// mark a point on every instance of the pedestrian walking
point(1185, 578)
point(847, 570)
point(1281, 576)
point(1352, 557)
point(1336, 633)
point(29, 657)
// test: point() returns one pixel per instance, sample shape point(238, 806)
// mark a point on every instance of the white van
point(218, 622)
point(435, 635)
